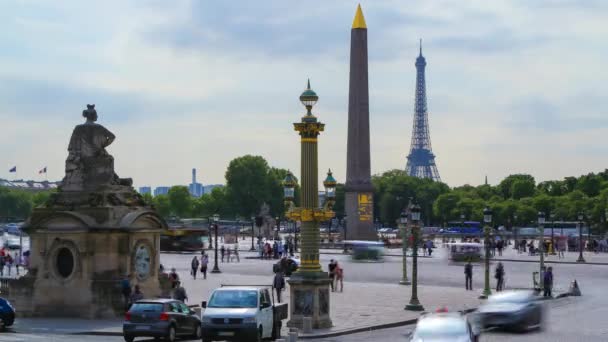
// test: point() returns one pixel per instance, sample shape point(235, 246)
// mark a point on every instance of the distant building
point(29, 185)
point(161, 190)
point(196, 189)
point(208, 188)
point(145, 190)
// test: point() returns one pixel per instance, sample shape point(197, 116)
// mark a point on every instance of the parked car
point(242, 313)
point(166, 318)
point(7, 314)
point(518, 310)
point(444, 326)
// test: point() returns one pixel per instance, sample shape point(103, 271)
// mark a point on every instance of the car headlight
point(249, 319)
point(206, 319)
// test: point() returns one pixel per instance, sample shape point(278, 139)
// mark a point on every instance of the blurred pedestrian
point(236, 253)
point(222, 252)
point(468, 275)
point(125, 286)
point(9, 263)
point(174, 278)
point(229, 252)
point(180, 293)
point(204, 263)
point(339, 277)
point(499, 274)
point(278, 284)
point(194, 266)
point(548, 282)
point(136, 295)
point(332, 273)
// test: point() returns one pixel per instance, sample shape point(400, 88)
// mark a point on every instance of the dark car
point(166, 318)
point(7, 314)
point(517, 310)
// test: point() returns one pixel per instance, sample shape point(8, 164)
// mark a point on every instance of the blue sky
point(513, 86)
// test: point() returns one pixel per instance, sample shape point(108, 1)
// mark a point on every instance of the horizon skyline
point(507, 94)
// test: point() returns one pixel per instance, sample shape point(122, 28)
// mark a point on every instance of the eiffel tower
point(421, 160)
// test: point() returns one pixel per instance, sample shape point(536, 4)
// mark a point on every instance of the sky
point(513, 86)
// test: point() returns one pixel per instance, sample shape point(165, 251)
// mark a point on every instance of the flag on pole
point(42, 171)
point(14, 169)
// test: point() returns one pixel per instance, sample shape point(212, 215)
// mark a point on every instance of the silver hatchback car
point(444, 327)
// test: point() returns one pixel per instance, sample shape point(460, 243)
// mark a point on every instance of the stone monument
point(359, 192)
point(92, 232)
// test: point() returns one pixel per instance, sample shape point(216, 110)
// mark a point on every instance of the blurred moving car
point(516, 310)
point(166, 318)
point(7, 314)
point(444, 326)
point(289, 266)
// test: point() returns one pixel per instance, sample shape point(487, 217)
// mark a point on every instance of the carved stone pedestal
point(310, 297)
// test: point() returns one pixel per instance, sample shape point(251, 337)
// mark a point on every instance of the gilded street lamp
point(216, 219)
point(581, 217)
point(309, 285)
point(404, 236)
point(552, 234)
point(289, 192)
point(414, 304)
point(487, 229)
point(541, 247)
point(252, 249)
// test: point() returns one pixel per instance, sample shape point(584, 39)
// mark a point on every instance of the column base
point(414, 307)
point(405, 282)
point(310, 297)
point(581, 260)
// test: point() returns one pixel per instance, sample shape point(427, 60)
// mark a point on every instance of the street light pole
point(414, 304)
point(552, 235)
point(403, 221)
point(487, 218)
point(252, 249)
point(541, 248)
point(216, 268)
point(580, 238)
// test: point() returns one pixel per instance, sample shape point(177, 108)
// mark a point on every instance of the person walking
point(136, 295)
point(180, 293)
point(278, 284)
point(500, 245)
point(499, 274)
point(222, 252)
point(548, 282)
point(125, 286)
point(468, 275)
point(236, 253)
point(228, 254)
point(174, 278)
point(339, 277)
point(194, 267)
point(9, 263)
point(332, 273)
point(204, 263)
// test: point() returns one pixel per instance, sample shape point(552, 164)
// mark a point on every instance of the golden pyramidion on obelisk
point(359, 21)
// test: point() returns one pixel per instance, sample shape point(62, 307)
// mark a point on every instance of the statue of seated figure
point(89, 165)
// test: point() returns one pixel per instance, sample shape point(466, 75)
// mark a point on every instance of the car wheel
point(129, 338)
point(171, 334)
point(198, 332)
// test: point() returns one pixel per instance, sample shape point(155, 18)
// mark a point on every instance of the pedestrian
point(468, 275)
point(499, 274)
point(236, 254)
point(278, 284)
point(222, 252)
point(429, 246)
point(204, 263)
point(136, 295)
point(2, 263)
point(548, 282)
point(500, 245)
point(174, 278)
point(180, 293)
point(9, 263)
point(332, 273)
point(18, 261)
point(561, 248)
point(339, 277)
point(228, 254)
point(125, 286)
point(194, 267)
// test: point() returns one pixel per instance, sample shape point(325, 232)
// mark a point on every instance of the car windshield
point(147, 307)
point(234, 299)
point(513, 297)
point(440, 328)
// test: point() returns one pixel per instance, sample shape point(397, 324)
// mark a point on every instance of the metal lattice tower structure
point(421, 160)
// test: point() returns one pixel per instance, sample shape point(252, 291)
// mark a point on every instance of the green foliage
point(180, 201)
point(162, 205)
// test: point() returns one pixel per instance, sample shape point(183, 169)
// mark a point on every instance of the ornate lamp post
point(487, 230)
point(414, 304)
point(252, 249)
point(216, 219)
point(344, 223)
point(552, 234)
point(309, 285)
point(404, 236)
point(581, 217)
point(330, 194)
point(541, 247)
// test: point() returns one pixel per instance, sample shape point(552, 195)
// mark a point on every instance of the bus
point(185, 235)
point(463, 228)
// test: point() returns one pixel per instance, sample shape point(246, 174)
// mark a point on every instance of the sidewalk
point(360, 307)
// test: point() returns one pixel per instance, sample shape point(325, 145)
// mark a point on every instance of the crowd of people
point(9, 259)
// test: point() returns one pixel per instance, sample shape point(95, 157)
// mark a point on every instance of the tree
point(162, 205)
point(249, 184)
point(180, 201)
point(522, 188)
point(506, 185)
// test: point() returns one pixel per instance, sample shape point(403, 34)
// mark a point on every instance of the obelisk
point(359, 206)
